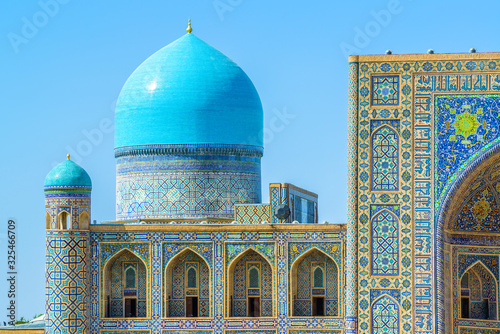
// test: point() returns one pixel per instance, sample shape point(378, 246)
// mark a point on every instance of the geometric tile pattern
point(252, 214)
point(67, 282)
point(385, 166)
point(385, 244)
point(385, 90)
point(205, 182)
point(385, 316)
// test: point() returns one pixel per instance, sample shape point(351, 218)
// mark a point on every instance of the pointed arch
point(385, 159)
point(484, 303)
point(452, 194)
point(83, 223)
point(114, 291)
point(318, 277)
point(130, 277)
point(48, 220)
point(384, 244)
point(332, 287)
point(385, 315)
point(230, 280)
point(64, 220)
point(204, 286)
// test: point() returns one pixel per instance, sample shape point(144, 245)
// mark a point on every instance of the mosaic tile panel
point(267, 250)
point(203, 182)
point(385, 159)
point(67, 282)
point(252, 214)
point(481, 213)
point(464, 125)
point(385, 244)
point(385, 90)
point(385, 316)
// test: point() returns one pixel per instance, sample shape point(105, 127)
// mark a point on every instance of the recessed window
point(130, 278)
point(253, 278)
point(318, 278)
point(192, 278)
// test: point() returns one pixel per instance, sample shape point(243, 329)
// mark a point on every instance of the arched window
point(385, 166)
point(64, 220)
point(478, 294)
point(130, 278)
point(385, 244)
point(385, 316)
point(253, 278)
point(47, 221)
point(318, 281)
point(465, 281)
point(192, 278)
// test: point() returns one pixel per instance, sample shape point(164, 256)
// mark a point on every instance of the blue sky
point(63, 63)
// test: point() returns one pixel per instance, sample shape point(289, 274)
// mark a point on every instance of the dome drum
point(191, 182)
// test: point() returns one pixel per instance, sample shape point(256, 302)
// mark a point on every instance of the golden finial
point(189, 29)
point(67, 156)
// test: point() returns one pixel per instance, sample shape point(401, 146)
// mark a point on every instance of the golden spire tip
point(189, 29)
point(67, 156)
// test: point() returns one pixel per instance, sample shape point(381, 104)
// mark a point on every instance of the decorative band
point(162, 149)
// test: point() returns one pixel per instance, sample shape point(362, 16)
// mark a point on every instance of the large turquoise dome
point(188, 93)
point(67, 175)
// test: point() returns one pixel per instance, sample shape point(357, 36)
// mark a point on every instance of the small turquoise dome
point(67, 175)
point(188, 93)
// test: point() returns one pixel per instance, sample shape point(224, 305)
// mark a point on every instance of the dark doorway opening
point(465, 308)
point(191, 306)
point(318, 306)
point(254, 307)
point(130, 308)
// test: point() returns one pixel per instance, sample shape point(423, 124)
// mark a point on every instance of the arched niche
point(311, 298)
point(478, 293)
point(243, 298)
point(477, 179)
point(121, 297)
point(186, 286)
point(84, 221)
point(64, 220)
point(385, 315)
